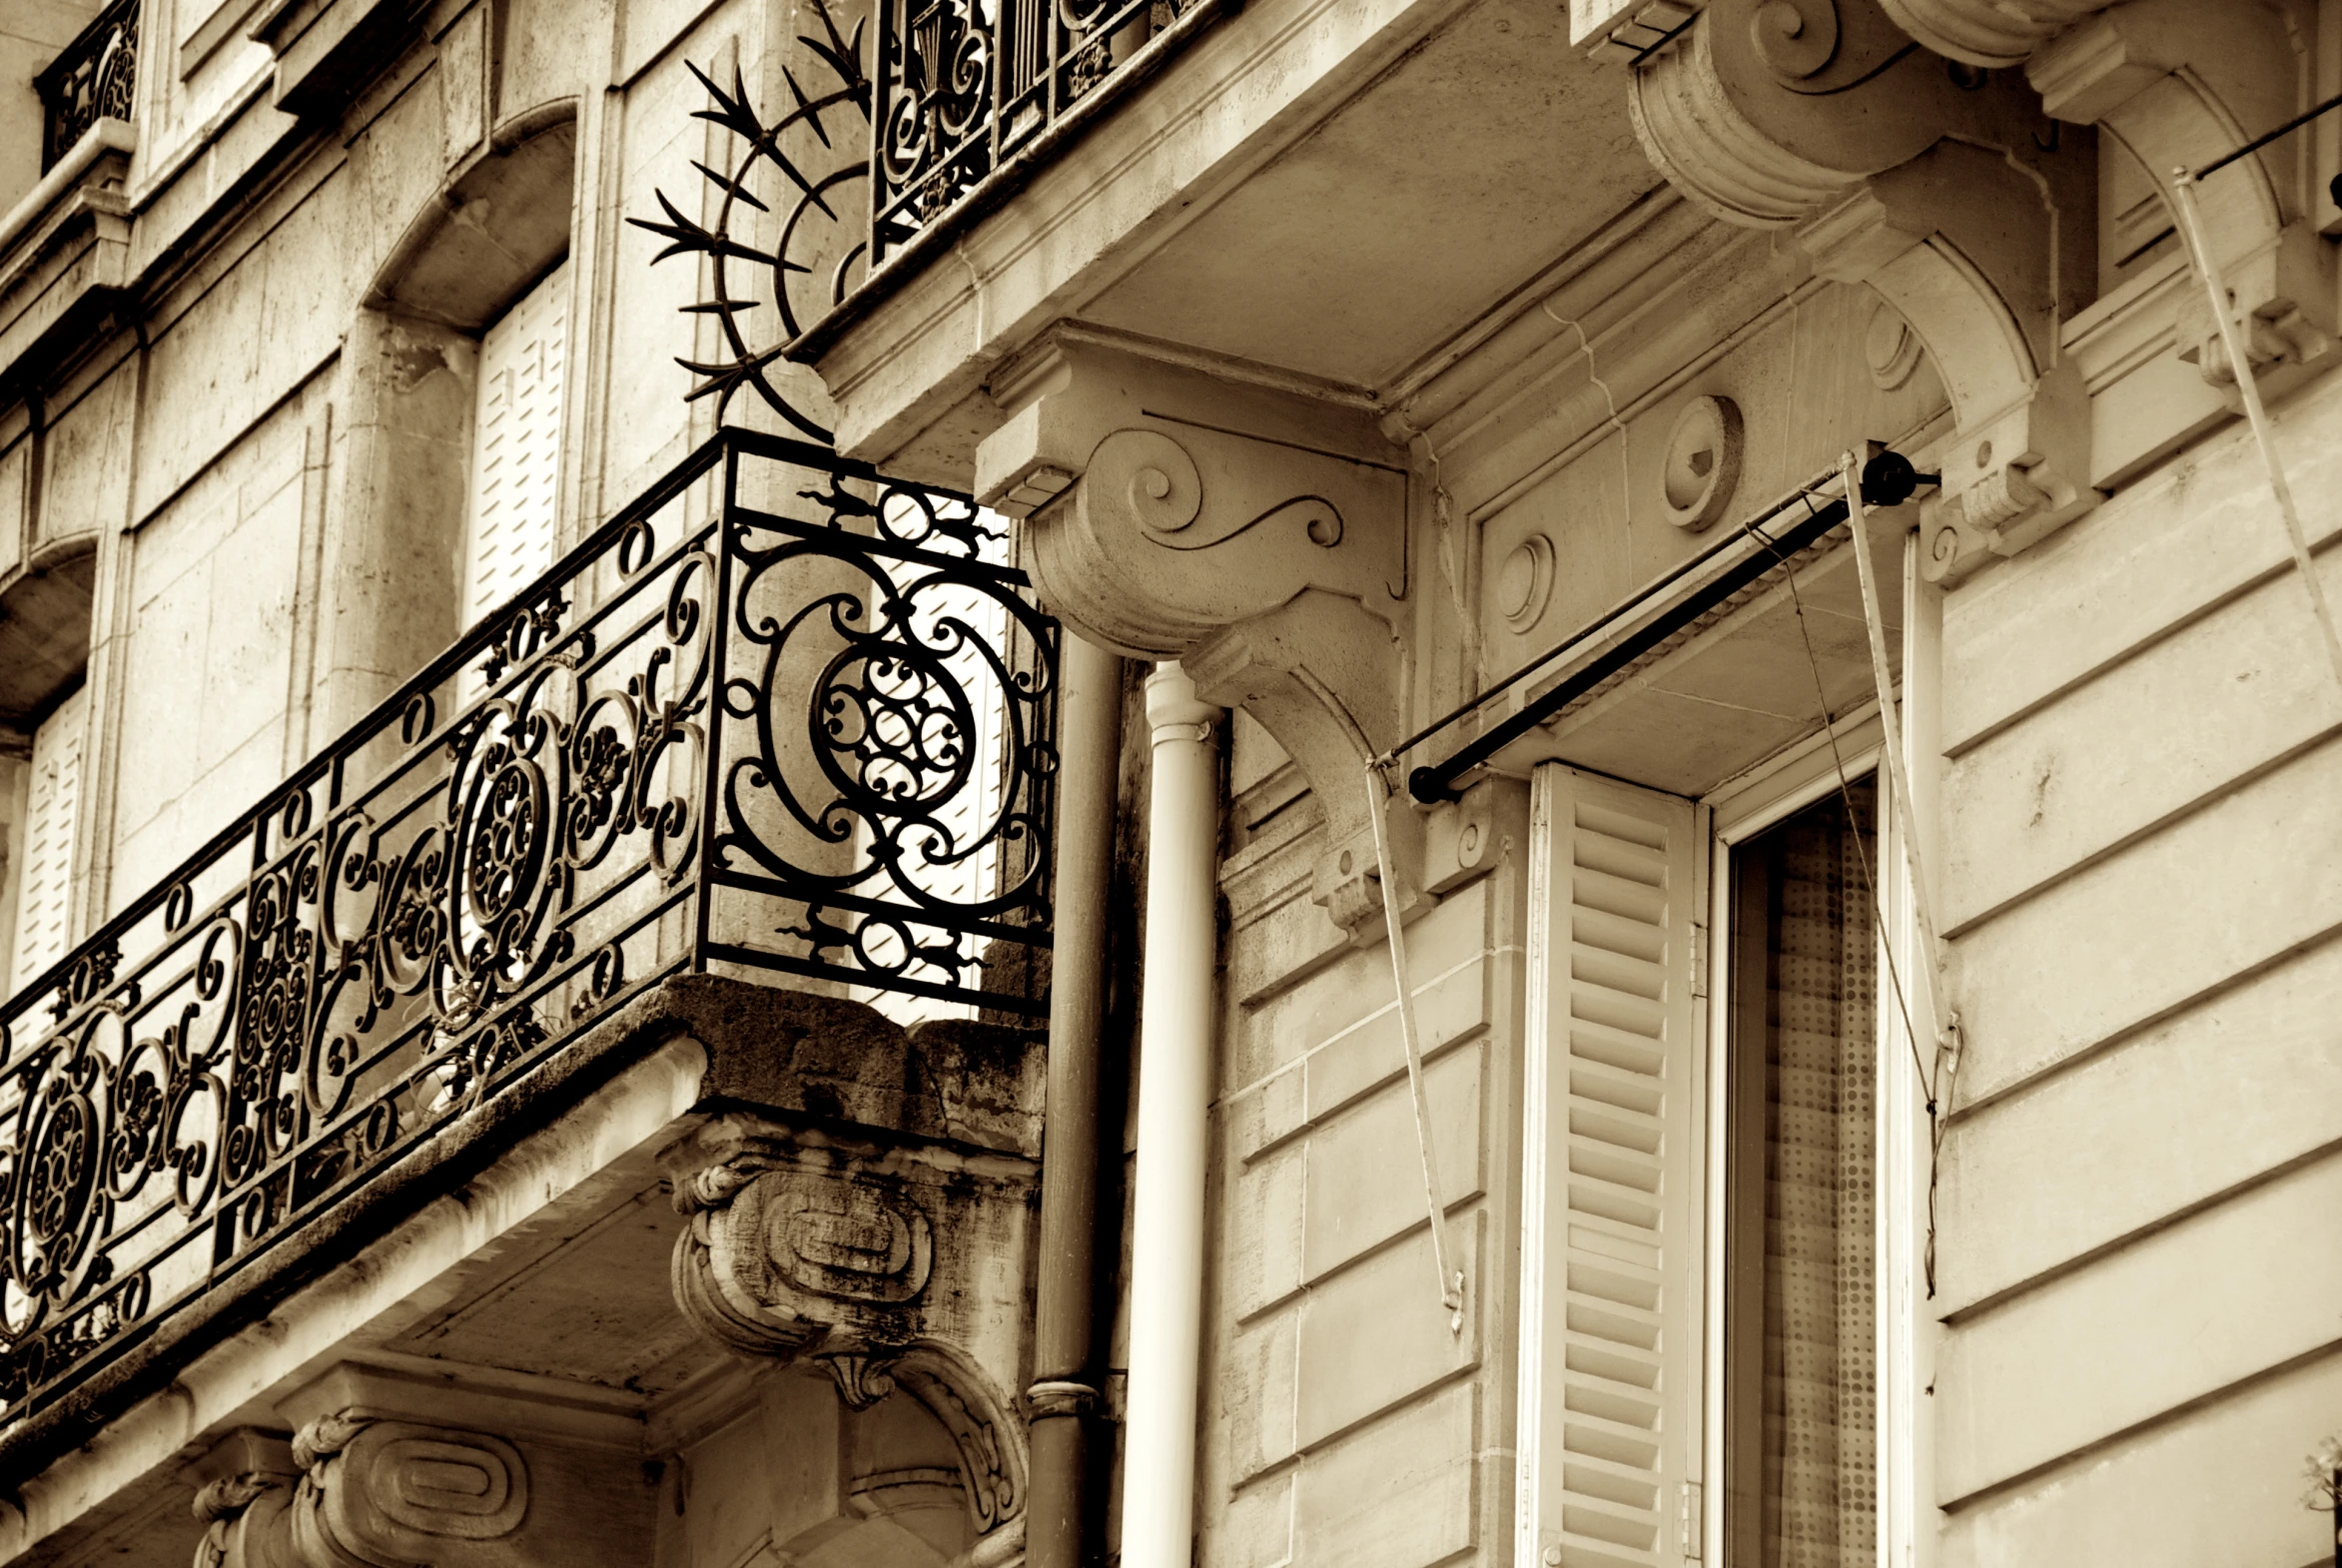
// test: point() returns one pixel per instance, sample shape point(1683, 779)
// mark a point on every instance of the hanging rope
point(2207, 269)
point(1451, 1281)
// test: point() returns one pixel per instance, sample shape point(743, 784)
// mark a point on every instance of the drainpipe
point(1176, 1015)
point(1063, 1397)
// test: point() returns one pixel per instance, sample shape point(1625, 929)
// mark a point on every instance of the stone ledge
point(65, 249)
point(840, 1061)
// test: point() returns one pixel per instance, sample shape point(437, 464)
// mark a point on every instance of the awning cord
point(1451, 1281)
point(2184, 186)
point(1930, 970)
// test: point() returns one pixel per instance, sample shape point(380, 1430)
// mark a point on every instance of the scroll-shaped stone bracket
point(1763, 113)
point(1963, 245)
point(1254, 535)
point(371, 1488)
point(2176, 84)
point(894, 1266)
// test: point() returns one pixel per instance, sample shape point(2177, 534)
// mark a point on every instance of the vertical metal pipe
point(1063, 1397)
point(1176, 1056)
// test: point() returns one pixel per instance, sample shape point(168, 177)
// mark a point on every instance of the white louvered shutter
point(44, 868)
point(1611, 1356)
point(512, 532)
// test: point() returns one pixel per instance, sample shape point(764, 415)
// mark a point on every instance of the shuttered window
point(44, 861)
point(1611, 1395)
point(512, 531)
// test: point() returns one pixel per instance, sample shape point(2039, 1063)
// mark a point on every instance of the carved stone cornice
point(1254, 535)
point(893, 1267)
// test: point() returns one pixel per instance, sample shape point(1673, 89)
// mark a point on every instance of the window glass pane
point(1805, 1008)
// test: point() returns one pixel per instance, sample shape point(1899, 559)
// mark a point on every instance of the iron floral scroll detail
point(815, 738)
point(902, 802)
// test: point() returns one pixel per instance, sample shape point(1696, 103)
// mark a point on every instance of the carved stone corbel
point(1934, 238)
point(2175, 84)
point(372, 1490)
point(893, 1267)
point(1934, 187)
point(1256, 535)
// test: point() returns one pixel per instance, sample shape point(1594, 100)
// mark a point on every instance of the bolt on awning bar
point(1888, 479)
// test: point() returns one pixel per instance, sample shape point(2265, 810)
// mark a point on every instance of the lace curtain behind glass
point(1809, 1122)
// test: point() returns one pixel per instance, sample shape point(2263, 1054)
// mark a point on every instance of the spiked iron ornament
point(801, 245)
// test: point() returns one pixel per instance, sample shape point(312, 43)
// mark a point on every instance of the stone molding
point(64, 254)
point(891, 1266)
point(371, 1490)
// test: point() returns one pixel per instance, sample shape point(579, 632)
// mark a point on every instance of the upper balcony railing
point(826, 193)
point(964, 85)
point(92, 79)
point(780, 716)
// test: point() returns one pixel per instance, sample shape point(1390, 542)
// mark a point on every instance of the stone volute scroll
point(1936, 184)
point(1255, 534)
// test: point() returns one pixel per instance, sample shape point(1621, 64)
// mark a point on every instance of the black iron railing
point(779, 716)
point(963, 83)
point(814, 194)
point(92, 79)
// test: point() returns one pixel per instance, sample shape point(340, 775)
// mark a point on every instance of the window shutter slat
point(44, 905)
point(1611, 1351)
point(514, 535)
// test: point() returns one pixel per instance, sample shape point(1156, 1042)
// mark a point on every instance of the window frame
point(1738, 811)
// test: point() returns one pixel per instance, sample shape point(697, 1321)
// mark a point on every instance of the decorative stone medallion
point(1702, 466)
point(1524, 582)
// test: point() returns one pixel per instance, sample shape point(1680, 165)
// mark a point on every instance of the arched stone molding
point(404, 405)
point(2176, 84)
point(893, 1267)
point(1939, 190)
point(502, 221)
point(1253, 533)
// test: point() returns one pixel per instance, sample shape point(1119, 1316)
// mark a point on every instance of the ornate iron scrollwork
point(816, 739)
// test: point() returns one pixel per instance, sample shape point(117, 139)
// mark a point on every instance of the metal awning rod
point(1673, 574)
point(2266, 136)
point(1888, 479)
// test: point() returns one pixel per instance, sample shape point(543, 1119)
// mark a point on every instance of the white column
point(1177, 1010)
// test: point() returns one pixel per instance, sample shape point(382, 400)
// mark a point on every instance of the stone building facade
point(1236, 504)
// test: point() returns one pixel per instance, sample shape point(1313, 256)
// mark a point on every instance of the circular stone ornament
point(1703, 463)
point(1524, 582)
point(1889, 346)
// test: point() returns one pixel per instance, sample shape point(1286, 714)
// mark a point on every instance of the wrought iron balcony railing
point(92, 78)
point(964, 85)
point(780, 716)
point(865, 165)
